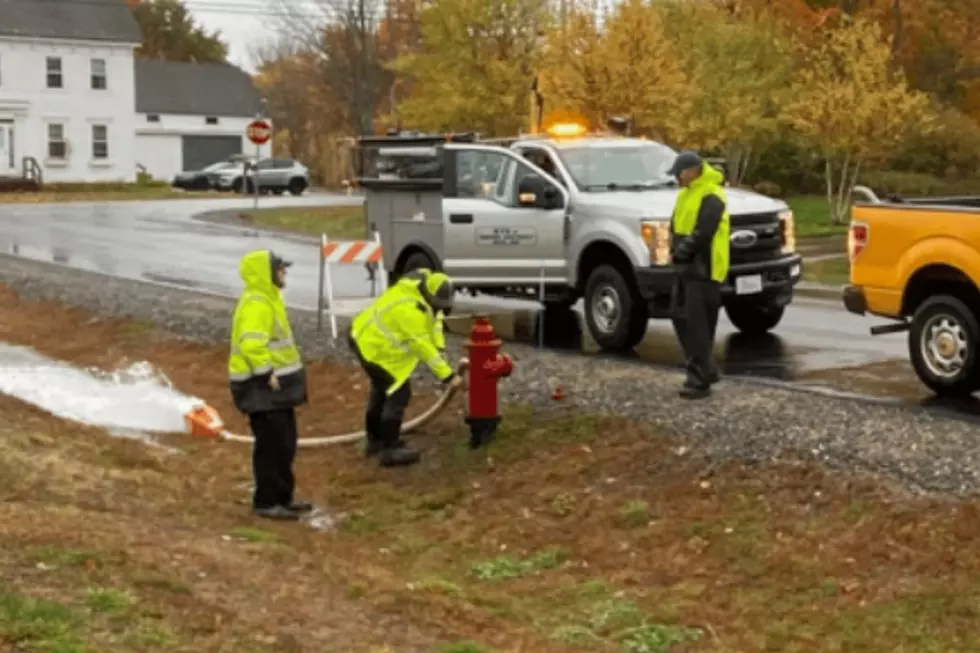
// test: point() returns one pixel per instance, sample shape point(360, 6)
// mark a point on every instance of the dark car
point(204, 179)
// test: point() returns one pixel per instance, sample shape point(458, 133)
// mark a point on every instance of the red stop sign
point(259, 132)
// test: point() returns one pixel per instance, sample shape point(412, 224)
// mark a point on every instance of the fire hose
point(410, 425)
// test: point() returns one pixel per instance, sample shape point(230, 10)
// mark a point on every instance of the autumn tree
point(474, 65)
point(169, 32)
point(741, 68)
point(626, 67)
point(847, 105)
point(343, 36)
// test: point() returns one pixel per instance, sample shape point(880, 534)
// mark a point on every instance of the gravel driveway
point(920, 451)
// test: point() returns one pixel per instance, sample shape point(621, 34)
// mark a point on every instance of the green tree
point(475, 65)
point(741, 68)
point(169, 32)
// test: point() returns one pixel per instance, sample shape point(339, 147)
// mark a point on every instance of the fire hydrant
point(487, 366)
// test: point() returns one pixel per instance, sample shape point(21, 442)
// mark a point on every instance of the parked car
point(274, 176)
point(205, 178)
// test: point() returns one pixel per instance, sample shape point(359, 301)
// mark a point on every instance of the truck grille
point(767, 242)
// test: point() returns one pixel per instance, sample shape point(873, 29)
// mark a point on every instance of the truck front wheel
point(943, 344)
point(754, 319)
point(615, 313)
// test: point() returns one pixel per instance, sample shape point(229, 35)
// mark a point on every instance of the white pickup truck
point(584, 217)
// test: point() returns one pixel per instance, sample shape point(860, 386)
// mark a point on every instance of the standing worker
point(700, 253)
point(398, 330)
point(268, 382)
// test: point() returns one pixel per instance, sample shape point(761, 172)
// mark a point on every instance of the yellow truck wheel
point(943, 341)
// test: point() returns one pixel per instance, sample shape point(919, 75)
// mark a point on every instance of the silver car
point(274, 176)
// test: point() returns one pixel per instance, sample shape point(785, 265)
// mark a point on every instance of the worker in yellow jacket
point(401, 328)
point(268, 382)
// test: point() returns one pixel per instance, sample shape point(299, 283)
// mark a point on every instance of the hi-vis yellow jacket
point(398, 331)
point(262, 343)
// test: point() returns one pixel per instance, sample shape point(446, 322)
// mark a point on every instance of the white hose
point(354, 436)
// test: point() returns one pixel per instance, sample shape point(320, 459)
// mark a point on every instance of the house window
point(99, 80)
point(54, 72)
point(100, 142)
point(211, 120)
point(57, 147)
point(152, 117)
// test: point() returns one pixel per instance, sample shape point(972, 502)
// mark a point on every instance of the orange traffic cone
point(203, 421)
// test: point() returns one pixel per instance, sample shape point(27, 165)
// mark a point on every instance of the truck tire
point(943, 342)
point(616, 315)
point(754, 319)
point(417, 260)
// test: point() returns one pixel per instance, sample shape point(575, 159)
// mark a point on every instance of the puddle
point(132, 402)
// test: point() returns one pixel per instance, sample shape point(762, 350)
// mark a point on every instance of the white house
point(191, 115)
point(66, 88)
point(73, 97)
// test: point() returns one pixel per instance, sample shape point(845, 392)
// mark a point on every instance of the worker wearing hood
point(700, 253)
point(400, 329)
point(268, 382)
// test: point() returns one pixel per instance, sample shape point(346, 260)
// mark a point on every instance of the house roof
point(201, 89)
point(84, 20)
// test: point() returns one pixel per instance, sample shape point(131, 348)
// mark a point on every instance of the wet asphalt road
point(160, 242)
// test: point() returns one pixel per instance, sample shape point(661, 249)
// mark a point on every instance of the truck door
point(491, 240)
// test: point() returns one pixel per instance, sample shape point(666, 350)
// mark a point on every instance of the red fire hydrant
point(487, 366)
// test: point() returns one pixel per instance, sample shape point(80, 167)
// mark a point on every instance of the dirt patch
point(572, 532)
point(338, 222)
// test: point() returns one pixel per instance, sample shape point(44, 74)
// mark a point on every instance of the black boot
point(400, 456)
point(277, 512)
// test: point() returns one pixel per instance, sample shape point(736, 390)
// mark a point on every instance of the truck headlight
point(787, 227)
point(656, 236)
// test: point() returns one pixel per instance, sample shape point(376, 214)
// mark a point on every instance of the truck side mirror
point(535, 192)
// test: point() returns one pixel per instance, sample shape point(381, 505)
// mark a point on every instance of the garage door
point(201, 151)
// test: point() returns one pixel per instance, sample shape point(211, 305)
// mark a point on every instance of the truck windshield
point(618, 167)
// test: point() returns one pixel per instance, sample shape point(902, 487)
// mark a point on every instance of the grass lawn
point(111, 195)
point(571, 533)
point(812, 214)
point(338, 222)
point(832, 271)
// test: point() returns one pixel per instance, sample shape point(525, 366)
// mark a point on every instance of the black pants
point(272, 457)
point(384, 414)
point(695, 318)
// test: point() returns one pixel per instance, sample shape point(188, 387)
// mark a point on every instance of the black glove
point(683, 251)
point(448, 379)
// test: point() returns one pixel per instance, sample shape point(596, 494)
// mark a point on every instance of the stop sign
point(258, 131)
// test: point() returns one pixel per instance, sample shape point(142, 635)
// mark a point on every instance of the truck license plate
point(749, 285)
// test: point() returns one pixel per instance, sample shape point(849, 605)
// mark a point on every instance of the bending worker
point(401, 328)
point(699, 251)
point(268, 382)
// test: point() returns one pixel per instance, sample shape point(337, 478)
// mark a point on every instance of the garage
point(200, 151)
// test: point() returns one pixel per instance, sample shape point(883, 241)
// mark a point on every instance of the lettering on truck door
point(508, 243)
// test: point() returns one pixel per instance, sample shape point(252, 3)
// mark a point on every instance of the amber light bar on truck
point(787, 226)
point(656, 235)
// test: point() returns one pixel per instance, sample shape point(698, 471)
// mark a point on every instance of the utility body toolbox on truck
point(585, 216)
point(917, 263)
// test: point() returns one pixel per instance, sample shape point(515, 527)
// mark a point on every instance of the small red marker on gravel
point(558, 394)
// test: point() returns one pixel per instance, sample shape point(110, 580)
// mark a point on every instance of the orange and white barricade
point(343, 252)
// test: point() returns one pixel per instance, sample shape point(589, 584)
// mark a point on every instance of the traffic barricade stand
point(344, 252)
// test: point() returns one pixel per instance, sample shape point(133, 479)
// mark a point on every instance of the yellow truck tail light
point(656, 235)
point(857, 239)
point(787, 226)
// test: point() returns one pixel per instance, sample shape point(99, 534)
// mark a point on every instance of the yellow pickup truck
point(917, 263)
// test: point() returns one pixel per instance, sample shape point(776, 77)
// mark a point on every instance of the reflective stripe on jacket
point(262, 343)
point(398, 331)
point(685, 218)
